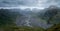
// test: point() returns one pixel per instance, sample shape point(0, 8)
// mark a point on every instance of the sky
point(41, 4)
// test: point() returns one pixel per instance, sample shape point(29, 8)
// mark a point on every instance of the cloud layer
point(29, 3)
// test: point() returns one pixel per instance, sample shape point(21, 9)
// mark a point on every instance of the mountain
point(51, 14)
point(29, 18)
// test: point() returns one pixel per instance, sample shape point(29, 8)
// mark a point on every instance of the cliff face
point(52, 14)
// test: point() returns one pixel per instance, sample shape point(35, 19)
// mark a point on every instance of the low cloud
point(29, 3)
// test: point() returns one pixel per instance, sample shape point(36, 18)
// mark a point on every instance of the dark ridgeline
point(50, 13)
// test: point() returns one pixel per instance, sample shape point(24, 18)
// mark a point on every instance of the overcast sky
point(29, 3)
